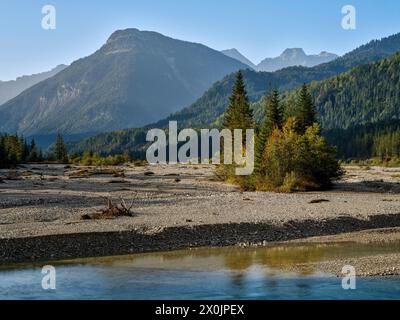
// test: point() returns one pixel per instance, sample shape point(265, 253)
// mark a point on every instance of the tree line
point(15, 149)
point(373, 140)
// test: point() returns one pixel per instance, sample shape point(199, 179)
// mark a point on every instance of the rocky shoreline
point(95, 244)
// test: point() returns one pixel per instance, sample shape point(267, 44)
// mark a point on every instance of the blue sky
point(257, 28)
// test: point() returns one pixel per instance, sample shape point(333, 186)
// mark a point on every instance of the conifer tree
point(273, 119)
point(238, 115)
point(61, 152)
point(306, 114)
point(33, 152)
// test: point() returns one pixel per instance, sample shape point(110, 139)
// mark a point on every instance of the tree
point(33, 152)
point(273, 119)
point(238, 114)
point(60, 151)
point(305, 110)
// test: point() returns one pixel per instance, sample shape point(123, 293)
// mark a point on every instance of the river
point(204, 273)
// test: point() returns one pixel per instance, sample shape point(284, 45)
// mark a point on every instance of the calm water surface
point(206, 273)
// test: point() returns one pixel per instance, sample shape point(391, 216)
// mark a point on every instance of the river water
point(204, 273)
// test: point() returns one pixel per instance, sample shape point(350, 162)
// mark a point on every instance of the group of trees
point(379, 140)
point(290, 153)
point(15, 149)
point(387, 145)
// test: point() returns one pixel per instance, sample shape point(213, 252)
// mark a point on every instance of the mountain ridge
point(294, 57)
point(11, 88)
point(290, 57)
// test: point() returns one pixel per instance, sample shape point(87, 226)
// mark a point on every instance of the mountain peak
point(123, 33)
point(235, 54)
point(293, 53)
point(233, 50)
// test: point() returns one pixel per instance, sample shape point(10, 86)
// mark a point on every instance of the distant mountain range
point(12, 88)
point(334, 97)
point(295, 57)
point(136, 78)
point(289, 58)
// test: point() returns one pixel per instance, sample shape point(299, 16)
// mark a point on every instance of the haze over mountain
point(137, 77)
point(295, 57)
point(235, 54)
point(208, 109)
point(12, 88)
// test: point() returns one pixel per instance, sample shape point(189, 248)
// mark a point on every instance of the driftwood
point(112, 210)
point(318, 200)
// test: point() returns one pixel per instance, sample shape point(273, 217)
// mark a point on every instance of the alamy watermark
point(188, 152)
point(349, 19)
point(49, 278)
point(349, 279)
point(49, 18)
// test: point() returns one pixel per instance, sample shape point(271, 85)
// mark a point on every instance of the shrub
point(293, 161)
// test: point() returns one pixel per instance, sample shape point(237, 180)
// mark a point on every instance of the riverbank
point(375, 261)
point(175, 207)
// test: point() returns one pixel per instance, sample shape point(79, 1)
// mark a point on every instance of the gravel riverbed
point(176, 207)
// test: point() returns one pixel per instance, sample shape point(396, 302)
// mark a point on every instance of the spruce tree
point(238, 115)
point(273, 118)
point(61, 152)
point(33, 152)
point(306, 114)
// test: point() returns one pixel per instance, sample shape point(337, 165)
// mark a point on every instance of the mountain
point(294, 57)
point(209, 108)
point(135, 78)
point(367, 93)
point(358, 109)
point(12, 88)
point(235, 54)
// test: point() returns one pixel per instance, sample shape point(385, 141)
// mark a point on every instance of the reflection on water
point(205, 273)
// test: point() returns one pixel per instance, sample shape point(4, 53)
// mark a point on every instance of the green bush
point(293, 161)
point(90, 159)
